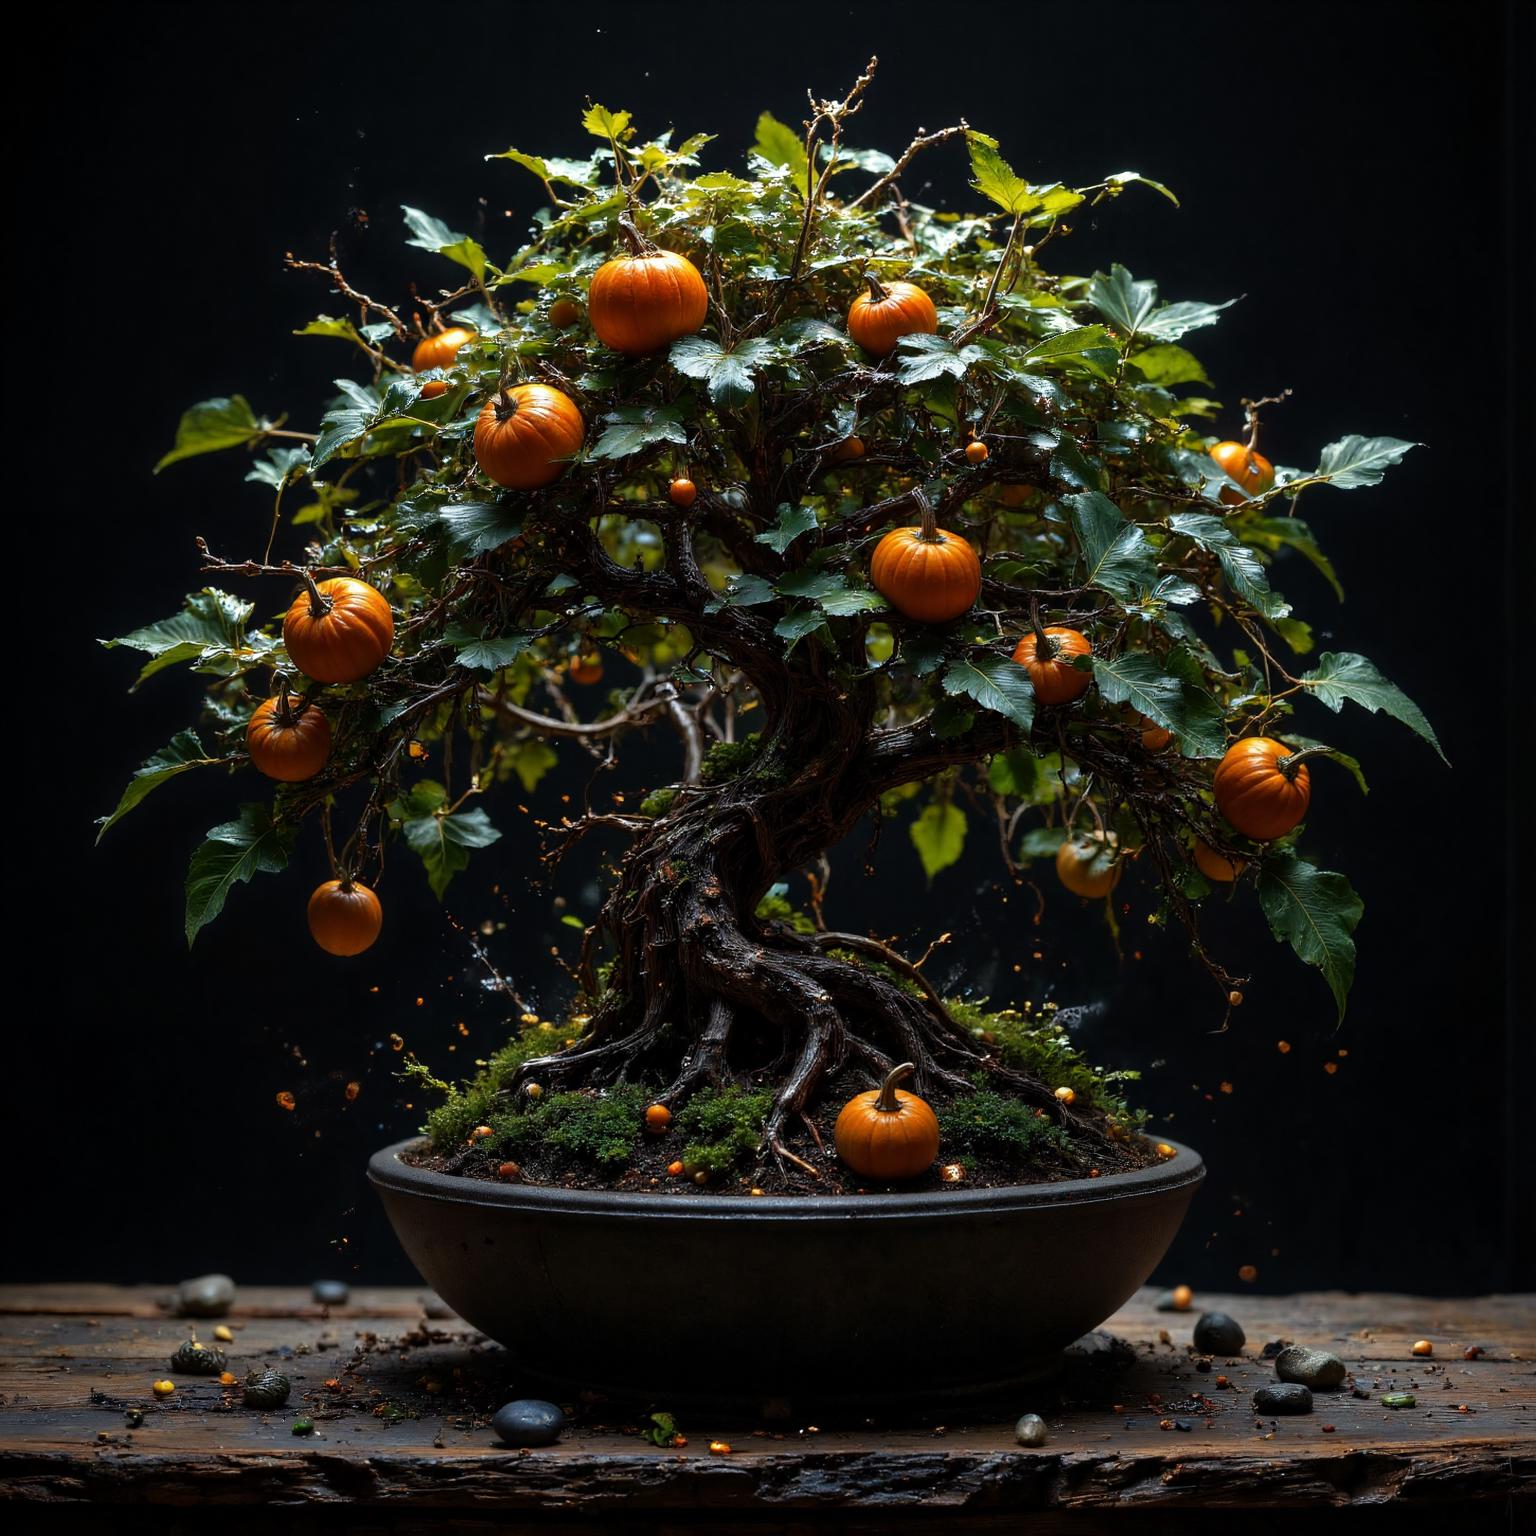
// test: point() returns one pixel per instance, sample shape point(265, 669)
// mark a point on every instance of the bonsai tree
point(875, 508)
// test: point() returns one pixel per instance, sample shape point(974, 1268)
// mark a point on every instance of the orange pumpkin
point(1087, 866)
point(524, 436)
point(1154, 737)
point(682, 492)
point(1262, 787)
point(587, 669)
point(657, 1118)
point(645, 300)
point(338, 631)
point(1217, 867)
point(564, 313)
point(887, 1133)
point(977, 452)
point(1047, 657)
point(877, 320)
point(440, 349)
point(926, 573)
point(288, 739)
point(1248, 467)
point(344, 917)
point(846, 451)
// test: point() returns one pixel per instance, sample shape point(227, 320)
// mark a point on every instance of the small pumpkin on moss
point(194, 1359)
point(266, 1389)
point(888, 1133)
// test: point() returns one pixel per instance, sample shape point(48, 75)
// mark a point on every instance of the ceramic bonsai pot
point(862, 1302)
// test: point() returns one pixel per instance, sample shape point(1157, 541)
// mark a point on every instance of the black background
point(1344, 167)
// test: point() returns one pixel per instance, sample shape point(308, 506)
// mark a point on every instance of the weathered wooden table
point(400, 1401)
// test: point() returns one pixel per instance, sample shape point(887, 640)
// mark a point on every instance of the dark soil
point(647, 1170)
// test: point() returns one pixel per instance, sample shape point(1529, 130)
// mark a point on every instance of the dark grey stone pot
point(860, 1302)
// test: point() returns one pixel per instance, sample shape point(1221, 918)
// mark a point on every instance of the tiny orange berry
point(1423, 1347)
point(534, 1091)
point(976, 452)
point(1248, 1273)
point(480, 1133)
point(849, 448)
point(1183, 1297)
point(675, 1169)
point(1066, 1096)
point(1235, 999)
point(682, 492)
point(162, 1388)
point(719, 1448)
point(511, 1172)
point(657, 1118)
point(587, 669)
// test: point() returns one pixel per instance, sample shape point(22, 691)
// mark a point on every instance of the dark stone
point(1314, 1368)
point(1273, 1348)
point(1097, 1356)
point(1031, 1430)
point(1286, 1397)
point(330, 1293)
point(1218, 1334)
point(205, 1296)
point(528, 1421)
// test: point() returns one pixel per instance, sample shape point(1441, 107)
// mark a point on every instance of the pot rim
point(387, 1171)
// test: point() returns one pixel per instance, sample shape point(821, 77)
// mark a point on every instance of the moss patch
point(597, 1129)
point(723, 1128)
point(987, 1124)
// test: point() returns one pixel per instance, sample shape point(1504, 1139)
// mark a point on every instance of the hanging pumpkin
point(926, 573)
point(344, 917)
point(1245, 465)
point(524, 436)
point(564, 313)
point(682, 492)
point(1154, 737)
point(1217, 867)
point(887, 1133)
point(1087, 866)
point(878, 319)
point(647, 299)
point(288, 739)
point(1047, 654)
point(847, 451)
point(1262, 787)
point(440, 349)
point(338, 631)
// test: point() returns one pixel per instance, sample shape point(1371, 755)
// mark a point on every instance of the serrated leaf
point(232, 853)
point(208, 426)
point(1355, 461)
point(184, 751)
point(792, 522)
point(938, 834)
point(934, 357)
point(1341, 675)
point(995, 179)
point(477, 526)
point(741, 591)
point(280, 466)
point(209, 621)
point(1122, 300)
point(1089, 346)
point(1175, 320)
point(1315, 912)
point(1242, 568)
point(729, 372)
point(603, 124)
point(779, 144)
point(995, 682)
point(1175, 703)
point(1273, 532)
point(492, 653)
point(1116, 556)
point(633, 427)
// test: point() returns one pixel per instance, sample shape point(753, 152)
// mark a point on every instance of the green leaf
point(1129, 178)
point(633, 427)
point(477, 526)
point(1013, 773)
point(429, 234)
point(1089, 346)
point(441, 838)
point(328, 325)
point(603, 124)
point(280, 466)
point(779, 144)
point(492, 653)
point(1355, 461)
point(1341, 675)
point(1167, 365)
point(211, 621)
point(1041, 843)
point(741, 591)
point(1194, 717)
point(995, 682)
point(1123, 301)
point(576, 173)
point(211, 425)
point(794, 627)
point(994, 178)
point(1244, 573)
point(792, 522)
point(1306, 744)
point(1174, 320)
point(1314, 911)
point(531, 760)
point(939, 836)
point(1271, 533)
point(1116, 555)
point(233, 852)
point(183, 752)
point(729, 373)
point(934, 357)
